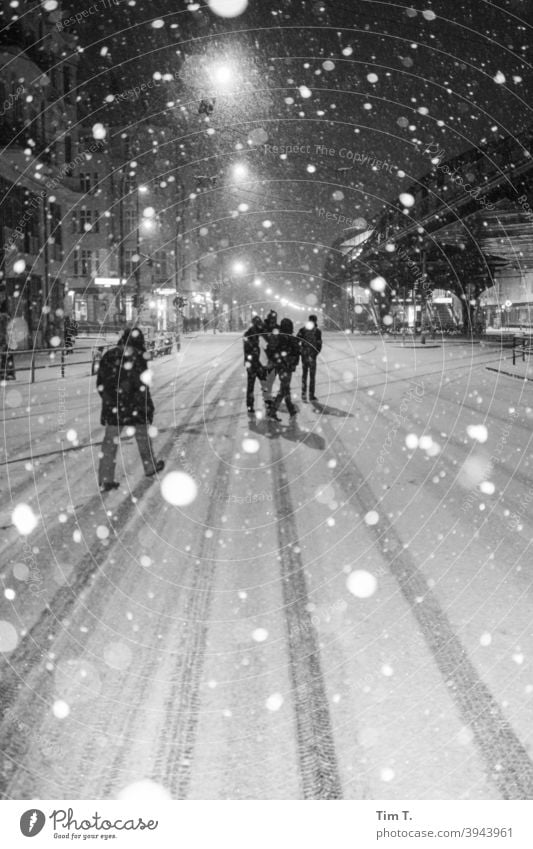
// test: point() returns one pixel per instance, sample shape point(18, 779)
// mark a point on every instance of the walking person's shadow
point(291, 432)
point(325, 410)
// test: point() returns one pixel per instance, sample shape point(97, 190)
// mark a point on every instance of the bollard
point(62, 362)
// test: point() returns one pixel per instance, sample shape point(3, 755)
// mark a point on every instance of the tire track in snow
point(19, 667)
point(315, 742)
point(508, 763)
point(178, 734)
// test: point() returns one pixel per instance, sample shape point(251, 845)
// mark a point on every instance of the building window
point(130, 183)
point(68, 149)
point(161, 271)
point(85, 263)
point(85, 182)
point(130, 221)
point(67, 79)
point(80, 309)
point(88, 182)
point(129, 264)
point(86, 221)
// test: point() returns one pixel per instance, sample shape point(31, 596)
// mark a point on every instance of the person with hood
point(310, 346)
point(283, 351)
point(122, 382)
point(252, 359)
point(270, 325)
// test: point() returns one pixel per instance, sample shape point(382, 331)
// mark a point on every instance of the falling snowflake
point(361, 584)
point(8, 637)
point(407, 199)
point(145, 790)
point(478, 432)
point(179, 489)
point(60, 709)
point(274, 702)
point(250, 446)
point(228, 8)
point(24, 519)
point(99, 131)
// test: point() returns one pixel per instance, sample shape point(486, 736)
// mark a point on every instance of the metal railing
point(34, 360)
point(522, 344)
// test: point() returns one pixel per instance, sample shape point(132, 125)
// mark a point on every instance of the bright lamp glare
point(222, 75)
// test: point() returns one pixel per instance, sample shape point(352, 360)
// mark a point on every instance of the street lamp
point(222, 76)
point(239, 171)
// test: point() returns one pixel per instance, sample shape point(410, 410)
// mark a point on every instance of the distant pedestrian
point(205, 322)
point(284, 352)
point(270, 325)
point(70, 331)
point(310, 338)
point(7, 363)
point(122, 382)
point(252, 360)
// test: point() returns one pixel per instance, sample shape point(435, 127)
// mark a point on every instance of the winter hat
point(313, 318)
point(133, 338)
point(257, 321)
point(286, 326)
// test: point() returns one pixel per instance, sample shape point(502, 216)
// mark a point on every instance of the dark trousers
point(284, 392)
point(106, 468)
point(252, 376)
point(309, 368)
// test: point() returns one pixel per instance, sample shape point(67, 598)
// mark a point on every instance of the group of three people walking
point(272, 350)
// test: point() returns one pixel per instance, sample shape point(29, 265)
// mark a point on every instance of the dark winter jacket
point(283, 349)
point(252, 350)
point(310, 342)
point(126, 399)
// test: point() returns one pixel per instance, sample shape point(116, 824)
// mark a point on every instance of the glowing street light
point(240, 171)
point(238, 267)
point(222, 76)
point(258, 282)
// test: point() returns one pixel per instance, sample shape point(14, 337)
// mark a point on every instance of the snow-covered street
point(338, 607)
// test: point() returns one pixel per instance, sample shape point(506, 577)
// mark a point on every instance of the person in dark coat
point(310, 338)
point(283, 351)
point(270, 325)
point(122, 382)
point(70, 331)
point(7, 363)
point(252, 359)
